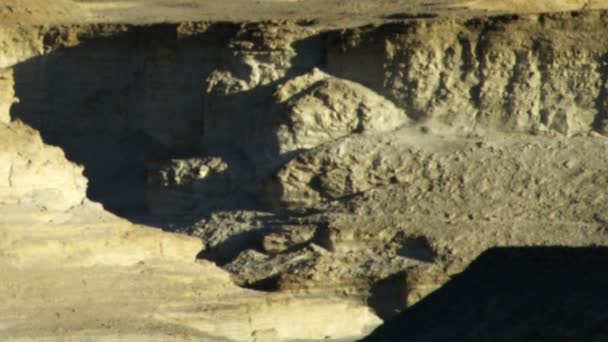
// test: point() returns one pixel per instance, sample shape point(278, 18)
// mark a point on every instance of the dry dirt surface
point(40, 12)
point(337, 13)
point(334, 13)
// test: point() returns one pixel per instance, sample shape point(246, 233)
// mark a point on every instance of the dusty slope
point(332, 13)
point(153, 301)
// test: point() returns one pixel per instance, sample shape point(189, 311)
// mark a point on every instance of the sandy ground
point(333, 13)
point(337, 12)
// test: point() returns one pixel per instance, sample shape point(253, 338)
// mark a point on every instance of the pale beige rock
point(157, 301)
point(85, 244)
point(501, 148)
point(46, 217)
point(36, 174)
point(19, 41)
point(35, 12)
point(328, 12)
point(7, 95)
point(518, 6)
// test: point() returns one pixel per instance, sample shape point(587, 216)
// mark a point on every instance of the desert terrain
point(303, 170)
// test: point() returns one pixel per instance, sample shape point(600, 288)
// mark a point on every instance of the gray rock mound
point(319, 108)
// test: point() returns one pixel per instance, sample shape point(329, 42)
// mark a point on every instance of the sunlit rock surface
point(179, 174)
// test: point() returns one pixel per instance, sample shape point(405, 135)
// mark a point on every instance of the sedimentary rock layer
point(182, 90)
point(345, 169)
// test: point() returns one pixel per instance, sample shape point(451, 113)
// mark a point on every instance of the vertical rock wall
point(513, 73)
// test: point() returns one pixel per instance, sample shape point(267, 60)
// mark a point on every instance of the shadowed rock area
point(513, 294)
point(124, 105)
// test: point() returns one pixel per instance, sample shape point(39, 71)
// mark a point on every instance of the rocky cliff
point(355, 168)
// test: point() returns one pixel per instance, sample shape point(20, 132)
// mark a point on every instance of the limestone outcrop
point(286, 180)
point(47, 218)
point(513, 73)
point(35, 174)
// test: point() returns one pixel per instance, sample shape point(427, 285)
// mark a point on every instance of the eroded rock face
point(46, 217)
point(313, 109)
point(370, 164)
point(512, 73)
point(248, 93)
point(59, 251)
point(34, 174)
point(319, 108)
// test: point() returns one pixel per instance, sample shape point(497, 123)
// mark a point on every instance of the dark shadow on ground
point(514, 294)
point(388, 296)
point(110, 102)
